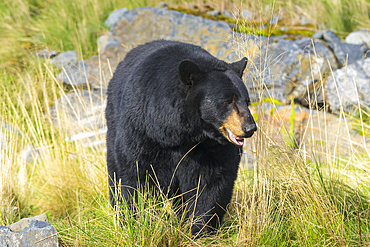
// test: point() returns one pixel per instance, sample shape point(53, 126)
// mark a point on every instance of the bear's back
point(154, 67)
point(164, 55)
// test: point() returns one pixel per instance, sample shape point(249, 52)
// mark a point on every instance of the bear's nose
point(250, 128)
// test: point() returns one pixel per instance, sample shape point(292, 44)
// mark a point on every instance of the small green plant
point(361, 121)
point(289, 138)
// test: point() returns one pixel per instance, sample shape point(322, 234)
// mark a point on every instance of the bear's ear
point(189, 73)
point(239, 66)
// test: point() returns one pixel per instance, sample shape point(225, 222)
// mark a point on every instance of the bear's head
point(221, 99)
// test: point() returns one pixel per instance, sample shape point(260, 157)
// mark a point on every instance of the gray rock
point(81, 116)
point(9, 128)
point(359, 37)
point(284, 29)
point(35, 231)
point(7, 134)
point(342, 50)
point(112, 42)
point(350, 87)
point(274, 20)
point(114, 17)
point(46, 53)
point(3, 140)
point(318, 35)
point(228, 14)
point(4, 240)
point(102, 43)
point(246, 14)
point(268, 7)
point(75, 75)
point(214, 13)
point(151, 23)
point(162, 5)
point(305, 21)
point(65, 58)
point(30, 153)
point(286, 68)
point(231, 25)
point(23, 223)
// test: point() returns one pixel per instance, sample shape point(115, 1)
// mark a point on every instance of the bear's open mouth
point(235, 139)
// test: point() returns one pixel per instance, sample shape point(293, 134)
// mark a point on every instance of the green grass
point(292, 197)
point(341, 16)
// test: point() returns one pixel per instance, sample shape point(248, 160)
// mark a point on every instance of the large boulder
point(81, 115)
point(35, 231)
point(141, 25)
point(359, 37)
point(345, 53)
point(75, 76)
point(67, 58)
point(285, 68)
point(349, 86)
point(114, 17)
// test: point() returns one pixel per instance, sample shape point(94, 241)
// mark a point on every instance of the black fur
point(166, 97)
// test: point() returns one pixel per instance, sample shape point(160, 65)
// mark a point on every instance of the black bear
point(170, 101)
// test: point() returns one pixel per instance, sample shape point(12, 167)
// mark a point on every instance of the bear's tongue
point(237, 140)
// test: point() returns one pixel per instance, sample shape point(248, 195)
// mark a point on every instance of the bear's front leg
point(206, 197)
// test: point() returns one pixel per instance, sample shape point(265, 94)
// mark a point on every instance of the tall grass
point(27, 26)
point(61, 25)
point(295, 195)
point(341, 16)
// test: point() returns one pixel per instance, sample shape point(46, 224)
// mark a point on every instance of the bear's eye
point(228, 102)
